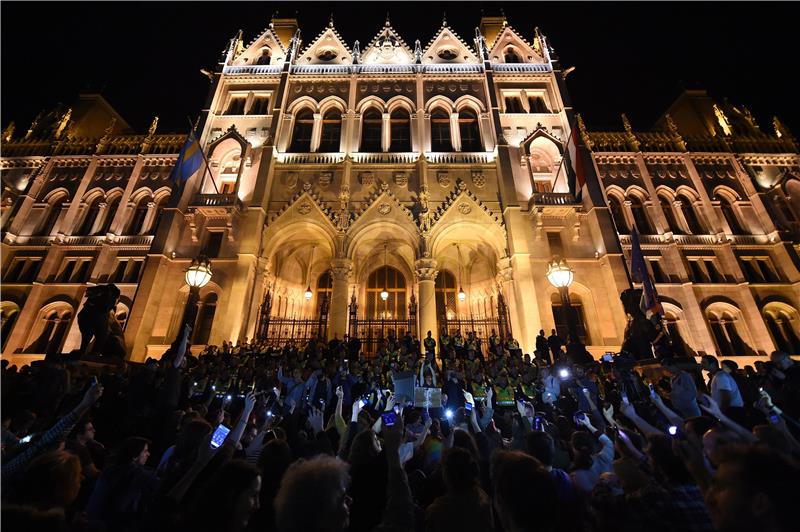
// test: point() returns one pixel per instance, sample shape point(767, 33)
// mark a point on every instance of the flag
point(573, 163)
point(649, 303)
point(189, 160)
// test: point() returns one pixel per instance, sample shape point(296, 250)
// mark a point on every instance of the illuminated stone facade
point(423, 170)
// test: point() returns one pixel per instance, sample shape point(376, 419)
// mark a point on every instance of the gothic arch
point(440, 102)
point(303, 102)
point(471, 102)
point(400, 102)
point(370, 102)
point(332, 102)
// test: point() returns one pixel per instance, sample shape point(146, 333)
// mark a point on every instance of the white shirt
point(723, 381)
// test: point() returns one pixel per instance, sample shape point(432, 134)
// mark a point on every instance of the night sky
point(630, 57)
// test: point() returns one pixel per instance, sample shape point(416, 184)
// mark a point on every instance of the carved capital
point(341, 269)
point(505, 272)
point(426, 269)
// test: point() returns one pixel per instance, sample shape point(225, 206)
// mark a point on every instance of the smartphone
point(652, 390)
point(608, 357)
point(673, 430)
point(388, 418)
point(219, 435)
point(94, 380)
point(26, 439)
point(579, 417)
point(773, 418)
point(468, 407)
point(537, 423)
point(624, 397)
point(363, 403)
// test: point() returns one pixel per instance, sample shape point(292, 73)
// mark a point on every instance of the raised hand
point(315, 420)
point(92, 395)
point(339, 393)
point(627, 410)
point(712, 408)
point(249, 402)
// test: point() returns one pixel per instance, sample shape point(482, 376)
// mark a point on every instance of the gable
point(384, 206)
point(387, 47)
point(265, 45)
point(509, 38)
point(327, 49)
point(448, 47)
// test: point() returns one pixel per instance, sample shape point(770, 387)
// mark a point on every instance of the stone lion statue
point(97, 321)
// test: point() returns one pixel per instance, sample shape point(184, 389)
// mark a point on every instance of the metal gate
point(277, 330)
point(372, 331)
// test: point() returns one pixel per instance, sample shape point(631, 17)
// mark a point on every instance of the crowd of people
point(442, 434)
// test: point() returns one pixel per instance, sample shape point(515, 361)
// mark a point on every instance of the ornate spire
point(8, 132)
point(587, 141)
point(103, 142)
point(62, 124)
point(417, 52)
point(781, 131)
point(153, 126)
point(751, 121)
point(722, 120)
point(356, 53)
point(151, 136)
point(444, 18)
point(676, 137)
point(330, 22)
point(33, 126)
point(387, 23)
point(633, 142)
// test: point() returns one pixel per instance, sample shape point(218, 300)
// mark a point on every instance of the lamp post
point(197, 276)
point(560, 276)
point(462, 296)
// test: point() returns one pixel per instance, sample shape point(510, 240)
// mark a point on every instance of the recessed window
point(260, 106)
point(327, 54)
point(448, 54)
point(236, 106)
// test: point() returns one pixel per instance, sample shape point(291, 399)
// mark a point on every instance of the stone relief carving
point(478, 179)
point(400, 179)
point(304, 208)
point(464, 208)
point(384, 208)
point(367, 178)
point(443, 179)
point(325, 178)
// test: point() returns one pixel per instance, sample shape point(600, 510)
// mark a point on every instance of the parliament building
point(367, 187)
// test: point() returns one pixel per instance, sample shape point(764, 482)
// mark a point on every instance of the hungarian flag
point(573, 163)
point(649, 303)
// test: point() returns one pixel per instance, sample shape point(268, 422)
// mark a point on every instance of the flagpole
point(203, 153)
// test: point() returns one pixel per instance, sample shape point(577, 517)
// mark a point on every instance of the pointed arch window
point(669, 214)
point(265, 58)
point(53, 212)
point(303, 130)
point(50, 332)
point(729, 213)
point(689, 214)
point(392, 281)
point(618, 215)
point(90, 218)
point(111, 211)
point(514, 105)
point(331, 131)
point(511, 56)
point(139, 215)
point(446, 293)
point(440, 132)
point(640, 215)
point(400, 131)
point(371, 131)
point(470, 131)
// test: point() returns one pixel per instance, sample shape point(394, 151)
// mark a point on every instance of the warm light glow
point(384, 294)
point(461, 295)
point(308, 293)
point(559, 273)
point(199, 273)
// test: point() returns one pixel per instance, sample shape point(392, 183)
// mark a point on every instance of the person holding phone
point(683, 392)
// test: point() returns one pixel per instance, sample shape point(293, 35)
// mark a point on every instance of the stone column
point(426, 276)
point(455, 132)
point(316, 132)
point(340, 270)
point(386, 132)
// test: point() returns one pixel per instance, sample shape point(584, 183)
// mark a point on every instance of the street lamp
point(560, 276)
point(308, 294)
point(384, 292)
point(462, 296)
point(197, 276)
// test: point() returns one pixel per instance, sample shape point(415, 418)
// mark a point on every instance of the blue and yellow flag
point(189, 160)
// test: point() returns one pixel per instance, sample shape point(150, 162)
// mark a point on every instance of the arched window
point(511, 56)
point(159, 210)
point(371, 130)
point(9, 312)
point(537, 105)
point(720, 338)
point(393, 281)
point(205, 319)
point(53, 212)
point(725, 331)
point(514, 105)
point(780, 326)
point(678, 343)
point(400, 131)
point(331, 131)
point(672, 222)
point(618, 215)
point(730, 216)
point(440, 132)
point(303, 129)
point(265, 57)
point(111, 211)
point(324, 287)
point(640, 217)
point(446, 293)
point(51, 331)
point(470, 131)
point(90, 218)
point(560, 317)
point(139, 215)
point(687, 210)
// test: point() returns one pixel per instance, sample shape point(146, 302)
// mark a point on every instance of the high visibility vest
point(505, 396)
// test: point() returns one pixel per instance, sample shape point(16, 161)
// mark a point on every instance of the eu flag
point(189, 160)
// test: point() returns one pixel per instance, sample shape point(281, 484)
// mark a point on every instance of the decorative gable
point(461, 203)
point(448, 47)
point(385, 206)
point(306, 204)
point(387, 47)
point(327, 49)
point(511, 47)
point(266, 49)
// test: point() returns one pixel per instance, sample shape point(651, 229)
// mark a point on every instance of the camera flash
point(673, 430)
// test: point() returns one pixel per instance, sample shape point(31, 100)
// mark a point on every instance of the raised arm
point(629, 412)
point(671, 415)
point(714, 409)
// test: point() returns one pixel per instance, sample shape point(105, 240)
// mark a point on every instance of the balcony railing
point(521, 67)
point(383, 158)
point(252, 69)
point(215, 200)
point(311, 158)
point(460, 157)
point(552, 198)
point(457, 68)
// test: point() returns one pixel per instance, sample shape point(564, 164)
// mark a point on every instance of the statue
point(97, 320)
point(640, 331)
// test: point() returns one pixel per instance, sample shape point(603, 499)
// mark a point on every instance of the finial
point(626, 124)
point(356, 53)
point(62, 123)
point(35, 123)
point(780, 130)
point(387, 23)
point(633, 142)
point(8, 132)
point(677, 139)
point(444, 18)
point(503, 14)
point(330, 22)
point(587, 141)
point(417, 52)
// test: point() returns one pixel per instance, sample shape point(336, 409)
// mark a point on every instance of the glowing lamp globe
point(199, 273)
point(461, 295)
point(384, 294)
point(559, 273)
point(308, 294)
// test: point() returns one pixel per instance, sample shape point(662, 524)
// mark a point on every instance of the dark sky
point(630, 57)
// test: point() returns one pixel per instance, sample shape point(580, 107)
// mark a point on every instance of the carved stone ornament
point(304, 208)
point(384, 208)
point(290, 179)
point(367, 178)
point(400, 179)
point(325, 178)
point(464, 208)
point(306, 186)
point(478, 179)
point(443, 179)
